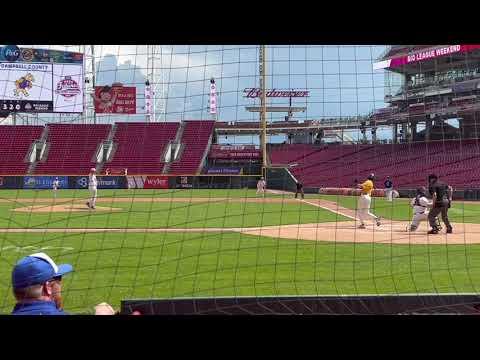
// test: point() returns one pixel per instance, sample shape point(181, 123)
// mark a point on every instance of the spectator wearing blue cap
point(37, 287)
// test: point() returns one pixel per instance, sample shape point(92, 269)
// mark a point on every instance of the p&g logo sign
point(11, 52)
point(82, 182)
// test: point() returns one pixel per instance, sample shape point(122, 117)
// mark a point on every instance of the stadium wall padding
point(277, 179)
point(280, 179)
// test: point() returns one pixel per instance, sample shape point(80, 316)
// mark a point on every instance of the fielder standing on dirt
point(365, 201)
point(441, 199)
point(92, 187)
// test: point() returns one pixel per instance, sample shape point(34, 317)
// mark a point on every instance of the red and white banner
point(423, 55)
point(147, 182)
point(115, 99)
point(156, 182)
point(213, 97)
point(148, 100)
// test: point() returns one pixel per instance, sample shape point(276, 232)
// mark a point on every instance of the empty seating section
point(72, 148)
point(409, 164)
point(195, 138)
point(140, 146)
point(15, 142)
point(291, 154)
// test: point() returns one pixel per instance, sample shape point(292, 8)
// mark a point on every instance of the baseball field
point(187, 243)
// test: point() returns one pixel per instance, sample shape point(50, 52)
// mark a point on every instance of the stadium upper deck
point(431, 84)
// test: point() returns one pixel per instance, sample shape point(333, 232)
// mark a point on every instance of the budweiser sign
point(256, 92)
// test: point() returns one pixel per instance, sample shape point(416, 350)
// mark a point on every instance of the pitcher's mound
point(63, 208)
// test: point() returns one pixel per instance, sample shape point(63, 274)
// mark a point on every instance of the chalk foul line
point(336, 211)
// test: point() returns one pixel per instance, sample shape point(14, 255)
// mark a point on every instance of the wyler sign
point(257, 92)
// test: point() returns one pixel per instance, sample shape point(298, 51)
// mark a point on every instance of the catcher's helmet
point(371, 176)
point(421, 190)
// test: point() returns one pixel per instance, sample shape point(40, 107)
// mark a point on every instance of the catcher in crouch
point(421, 206)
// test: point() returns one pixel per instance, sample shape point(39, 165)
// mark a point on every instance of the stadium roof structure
point(288, 127)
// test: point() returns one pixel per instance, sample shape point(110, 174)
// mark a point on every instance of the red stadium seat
point(140, 146)
point(408, 164)
point(196, 136)
point(72, 148)
point(15, 142)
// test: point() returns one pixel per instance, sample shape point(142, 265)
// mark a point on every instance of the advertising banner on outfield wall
point(224, 171)
point(104, 182)
point(135, 182)
point(156, 182)
point(11, 182)
point(44, 182)
point(184, 182)
point(148, 182)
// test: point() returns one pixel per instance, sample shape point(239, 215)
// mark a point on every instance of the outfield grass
point(115, 266)
point(111, 267)
point(167, 193)
point(170, 214)
point(400, 209)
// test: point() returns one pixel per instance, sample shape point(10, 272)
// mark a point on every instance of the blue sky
point(341, 79)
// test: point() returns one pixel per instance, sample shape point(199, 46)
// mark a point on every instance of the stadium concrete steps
point(110, 137)
point(196, 137)
point(177, 140)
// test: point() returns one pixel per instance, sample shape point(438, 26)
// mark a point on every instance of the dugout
point(408, 304)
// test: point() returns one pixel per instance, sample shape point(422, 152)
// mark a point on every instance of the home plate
point(63, 208)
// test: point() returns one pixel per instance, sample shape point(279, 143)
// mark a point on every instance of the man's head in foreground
point(37, 278)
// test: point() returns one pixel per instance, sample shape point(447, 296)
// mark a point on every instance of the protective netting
point(180, 208)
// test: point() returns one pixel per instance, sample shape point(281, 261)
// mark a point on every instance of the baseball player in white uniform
point(261, 186)
point(55, 186)
point(421, 207)
point(92, 187)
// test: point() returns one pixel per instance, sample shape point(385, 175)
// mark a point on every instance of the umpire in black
point(299, 190)
point(441, 200)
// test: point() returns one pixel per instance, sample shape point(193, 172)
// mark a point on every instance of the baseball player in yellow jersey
point(365, 201)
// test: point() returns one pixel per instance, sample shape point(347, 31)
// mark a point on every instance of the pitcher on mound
point(92, 187)
point(365, 201)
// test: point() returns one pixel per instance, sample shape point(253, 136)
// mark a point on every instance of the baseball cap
point(93, 169)
point(37, 269)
